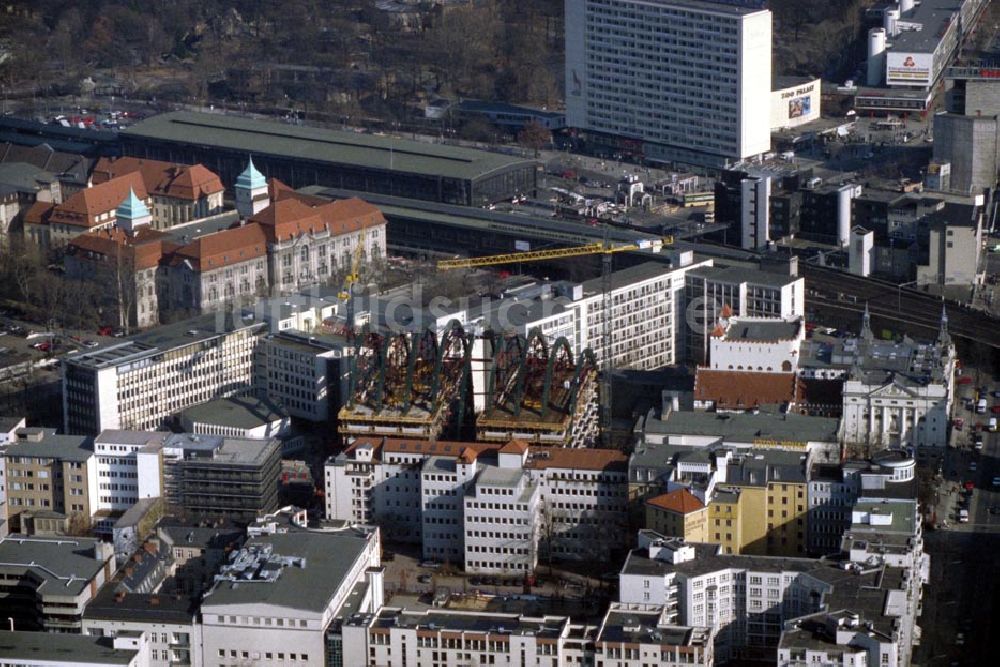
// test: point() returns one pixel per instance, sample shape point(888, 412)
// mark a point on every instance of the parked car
point(94, 343)
point(43, 346)
point(105, 331)
point(424, 579)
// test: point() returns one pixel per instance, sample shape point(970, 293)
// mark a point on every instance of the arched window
point(786, 366)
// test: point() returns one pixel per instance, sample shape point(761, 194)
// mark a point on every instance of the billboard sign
point(909, 68)
point(799, 106)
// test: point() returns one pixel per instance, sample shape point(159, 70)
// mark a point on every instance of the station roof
point(262, 137)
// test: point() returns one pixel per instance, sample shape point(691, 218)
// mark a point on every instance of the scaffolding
point(540, 394)
point(420, 386)
point(409, 385)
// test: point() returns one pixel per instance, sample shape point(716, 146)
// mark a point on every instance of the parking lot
point(30, 355)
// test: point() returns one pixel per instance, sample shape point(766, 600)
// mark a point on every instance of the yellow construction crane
point(347, 290)
point(346, 293)
point(607, 251)
point(554, 253)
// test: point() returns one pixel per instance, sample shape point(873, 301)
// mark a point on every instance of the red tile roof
point(224, 248)
point(292, 215)
point(576, 459)
point(83, 207)
point(680, 501)
point(39, 213)
point(144, 250)
point(515, 447)
point(743, 389)
point(167, 179)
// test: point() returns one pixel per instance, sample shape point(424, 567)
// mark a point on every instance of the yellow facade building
point(759, 506)
point(678, 514)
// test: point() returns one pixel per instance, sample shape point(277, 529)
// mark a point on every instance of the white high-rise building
point(670, 80)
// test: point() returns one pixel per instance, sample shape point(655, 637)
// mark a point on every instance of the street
point(959, 605)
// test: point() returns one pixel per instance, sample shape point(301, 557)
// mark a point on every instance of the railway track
point(833, 289)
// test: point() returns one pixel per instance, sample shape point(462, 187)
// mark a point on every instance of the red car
point(105, 331)
point(970, 485)
point(995, 409)
point(964, 379)
point(958, 424)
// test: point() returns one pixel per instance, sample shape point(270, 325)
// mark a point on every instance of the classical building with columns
point(897, 394)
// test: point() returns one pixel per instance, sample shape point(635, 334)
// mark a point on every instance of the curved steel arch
point(425, 346)
point(560, 352)
point(363, 367)
point(390, 344)
point(453, 334)
point(507, 353)
point(535, 348)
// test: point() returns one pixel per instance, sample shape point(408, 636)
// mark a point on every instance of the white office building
point(714, 293)
point(303, 373)
point(750, 600)
point(644, 309)
point(626, 637)
point(670, 80)
point(119, 472)
point(490, 507)
point(275, 599)
point(141, 382)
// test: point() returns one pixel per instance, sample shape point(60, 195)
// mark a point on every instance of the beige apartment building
point(51, 481)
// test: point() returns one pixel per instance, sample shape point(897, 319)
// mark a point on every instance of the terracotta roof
point(39, 213)
point(145, 249)
point(83, 207)
point(167, 179)
point(514, 447)
point(743, 389)
point(680, 501)
point(230, 246)
point(576, 459)
point(292, 215)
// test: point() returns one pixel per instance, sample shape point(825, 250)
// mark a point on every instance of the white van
point(993, 424)
point(963, 516)
point(981, 406)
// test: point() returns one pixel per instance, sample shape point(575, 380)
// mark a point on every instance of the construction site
point(489, 387)
point(409, 385)
point(539, 394)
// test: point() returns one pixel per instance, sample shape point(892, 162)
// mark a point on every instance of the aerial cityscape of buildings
point(702, 369)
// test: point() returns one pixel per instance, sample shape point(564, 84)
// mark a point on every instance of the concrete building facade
point(139, 383)
point(671, 80)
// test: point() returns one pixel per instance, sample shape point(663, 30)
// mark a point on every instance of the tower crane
point(607, 252)
point(346, 293)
